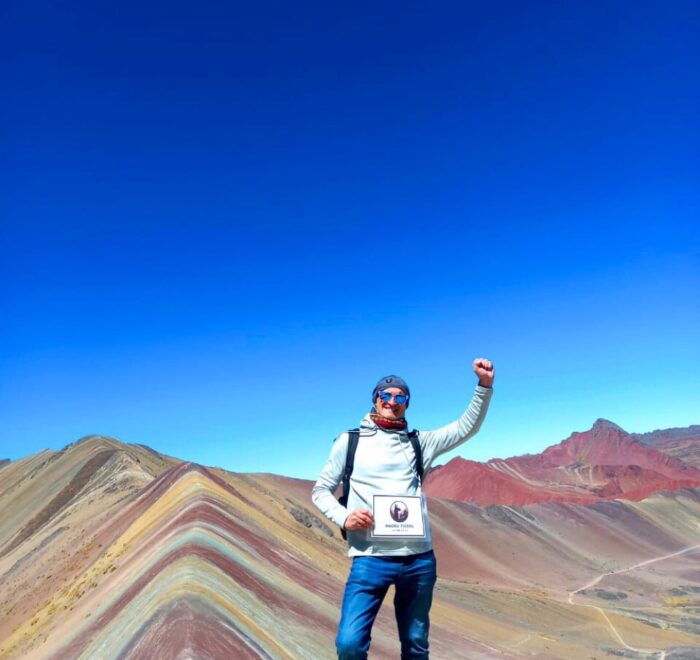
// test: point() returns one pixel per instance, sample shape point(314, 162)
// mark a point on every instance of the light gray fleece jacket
point(386, 464)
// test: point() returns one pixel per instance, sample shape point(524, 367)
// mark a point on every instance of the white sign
point(398, 517)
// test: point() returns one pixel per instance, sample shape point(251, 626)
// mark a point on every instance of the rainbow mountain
point(113, 550)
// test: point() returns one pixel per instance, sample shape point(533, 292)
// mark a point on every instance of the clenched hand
point(484, 371)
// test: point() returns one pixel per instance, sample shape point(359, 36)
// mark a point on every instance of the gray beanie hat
point(391, 381)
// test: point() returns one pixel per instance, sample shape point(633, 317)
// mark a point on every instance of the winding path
point(660, 653)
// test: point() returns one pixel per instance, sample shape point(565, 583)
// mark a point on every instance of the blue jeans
point(370, 577)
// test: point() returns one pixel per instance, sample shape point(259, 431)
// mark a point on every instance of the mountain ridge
point(604, 462)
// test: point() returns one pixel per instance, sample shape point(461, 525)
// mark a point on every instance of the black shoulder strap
point(353, 439)
point(413, 437)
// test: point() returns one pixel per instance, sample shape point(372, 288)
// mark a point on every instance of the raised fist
point(484, 371)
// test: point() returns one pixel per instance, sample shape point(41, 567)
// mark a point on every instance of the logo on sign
point(398, 511)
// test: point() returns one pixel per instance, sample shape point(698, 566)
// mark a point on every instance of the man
point(386, 552)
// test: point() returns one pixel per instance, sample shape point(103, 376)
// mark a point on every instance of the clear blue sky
point(222, 222)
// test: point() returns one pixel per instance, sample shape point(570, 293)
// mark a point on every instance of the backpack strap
point(413, 437)
point(353, 439)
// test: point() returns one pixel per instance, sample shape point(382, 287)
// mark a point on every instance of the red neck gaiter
point(389, 424)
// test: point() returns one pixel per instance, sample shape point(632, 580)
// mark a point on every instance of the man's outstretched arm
point(448, 437)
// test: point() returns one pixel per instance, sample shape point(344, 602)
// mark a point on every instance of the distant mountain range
point(600, 464)
point(683, 443)
point(111, 550)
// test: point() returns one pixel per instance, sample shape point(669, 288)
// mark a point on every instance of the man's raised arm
point(448, 437)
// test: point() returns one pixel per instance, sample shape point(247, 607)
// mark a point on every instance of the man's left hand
point(484, 371)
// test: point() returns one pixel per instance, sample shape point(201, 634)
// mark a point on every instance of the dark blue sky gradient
point(222, 222)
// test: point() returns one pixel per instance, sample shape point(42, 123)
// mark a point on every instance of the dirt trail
point(661, 654)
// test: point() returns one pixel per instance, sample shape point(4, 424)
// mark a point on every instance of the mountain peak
point(601, 424)
point(92, 440)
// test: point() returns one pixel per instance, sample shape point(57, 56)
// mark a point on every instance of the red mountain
point(600, 464)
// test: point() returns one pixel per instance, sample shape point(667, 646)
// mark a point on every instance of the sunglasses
point(399, 398)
